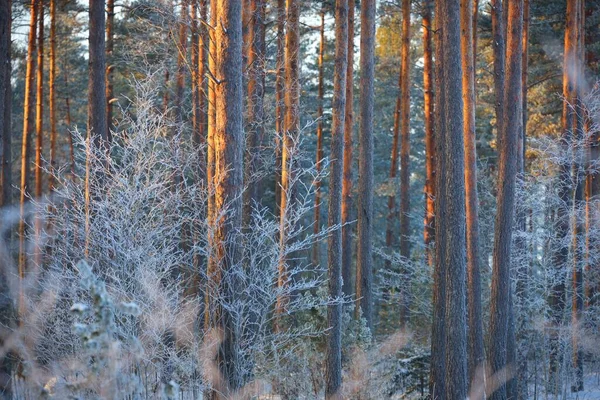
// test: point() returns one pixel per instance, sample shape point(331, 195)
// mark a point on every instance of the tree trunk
point(39, 133)
point(291, 127)
point(501, 271)
point(256, 93)
point(475, 324)
point(364, 264)
point(6, 301)
point(334, 311)
point(428, 110)
point(438, 327)
point(28, 111)
point(229, 152)
point(52, 95)
point(348, 287)
point(5, 104)
point(498, 47)
point(319, 166)
point(279, 94)
point(454, 221)
point(110, 22)
point(181, 61)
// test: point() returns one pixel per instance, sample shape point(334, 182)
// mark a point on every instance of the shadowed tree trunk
point(438, 326)
point(181, 61)
point(319, 166)
point(5, 103)
point(348, 287)
point(508, 157)
point(428, 110)
point(453, 224)
point(334, 245)
point(279, 94)
point(256, 93)
point(475, 324)
point(110, 22)
point(39, 133)
point(364, 263)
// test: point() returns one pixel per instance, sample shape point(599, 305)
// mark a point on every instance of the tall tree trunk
point(557, 297)
point(438, 326)
point(348, 287)
point(364, 264)
point(28, 111)
point(578, 225)
point(454, 223)
point(392, 214)
point(229, 153)
point(319, 166)
point(428, 110)
point(279, 94)
point(6, 301)
point(110, 22)
point(498, 46)
point(475, 324)
point(181, 61)
point(52, 95)
point(334, 311)
point(291, 126)
point(501, 271)
point(5, 104)
point(256, 93)
point(405, 158)
point(39, 133)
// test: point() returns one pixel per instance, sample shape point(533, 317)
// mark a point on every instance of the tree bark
point(348, 287)
point(319, 165)
point(279, 94)
point(39, 133)
point(229, 151)
point(256, 93)
point(291, 127)
point(52, 95)
point(364, 264)
point(110, 22)
point(438, 327)
point(5, 103)
point(334, 311)
point(404, 161)
point(475, 324)
point(428, 110)
point(501, 271)
point(454, 210)
point(181, 61)
point(28, 111)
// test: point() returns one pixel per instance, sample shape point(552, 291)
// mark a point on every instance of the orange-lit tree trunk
point(52, 95)
point(475, 324)
point(28, 110)
point(347, 286)
point(507, 173)
point(334, 246)
point(229, 153)
point(279, 94)
point(5, 104)
point(429, 221)
point(256, 93)
point(291, 126)
point(364, 263)
point(317, 223)
point(110, 23)
point(405, 158)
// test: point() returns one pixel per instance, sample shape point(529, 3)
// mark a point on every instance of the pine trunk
point(348, 287)
point(110, 22)
point(364, 264)
point(5, 104)
point(52, 95)
point(334, 311)
point(501, 297)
